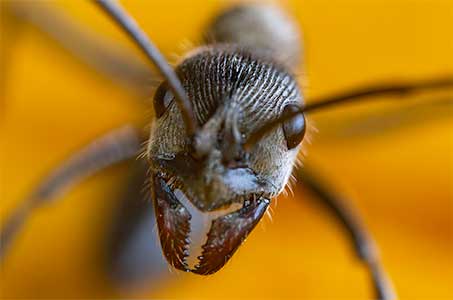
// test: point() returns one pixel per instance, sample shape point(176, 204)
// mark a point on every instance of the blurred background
point(394, 159)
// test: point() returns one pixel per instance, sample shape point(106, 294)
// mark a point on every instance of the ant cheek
point(227, 233)
point(173, 221)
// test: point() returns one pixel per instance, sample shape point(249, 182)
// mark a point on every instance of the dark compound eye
point(294, 129)
point(162, 99)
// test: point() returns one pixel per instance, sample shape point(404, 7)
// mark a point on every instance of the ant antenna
point(352, 96)
point(118, 14)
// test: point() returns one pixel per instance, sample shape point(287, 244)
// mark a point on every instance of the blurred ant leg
point(381, 90)
point(360, 237)
point(111, 148)
point(134, 257)
point(103, 55)
point(367, 124)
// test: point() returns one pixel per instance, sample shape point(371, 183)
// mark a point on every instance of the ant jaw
point(173, 221)
point(226, 230)
point(227, 233)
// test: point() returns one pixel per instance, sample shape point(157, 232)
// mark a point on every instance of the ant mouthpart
point(197, 241)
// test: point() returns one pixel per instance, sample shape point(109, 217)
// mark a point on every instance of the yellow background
point(399, 179)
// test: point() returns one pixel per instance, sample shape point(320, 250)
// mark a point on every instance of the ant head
point(208, 192)
point(209, 189)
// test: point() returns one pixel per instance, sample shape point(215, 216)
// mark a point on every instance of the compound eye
point(294, 129)
point(162, 99)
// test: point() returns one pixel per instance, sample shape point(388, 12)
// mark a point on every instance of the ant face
point(207, 204)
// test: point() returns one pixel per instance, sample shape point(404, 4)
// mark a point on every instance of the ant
point(230, 122)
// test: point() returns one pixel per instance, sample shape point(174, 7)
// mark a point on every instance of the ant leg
point(107, 150)
point(381, 90)
point(103, 55)
point(364, 245)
